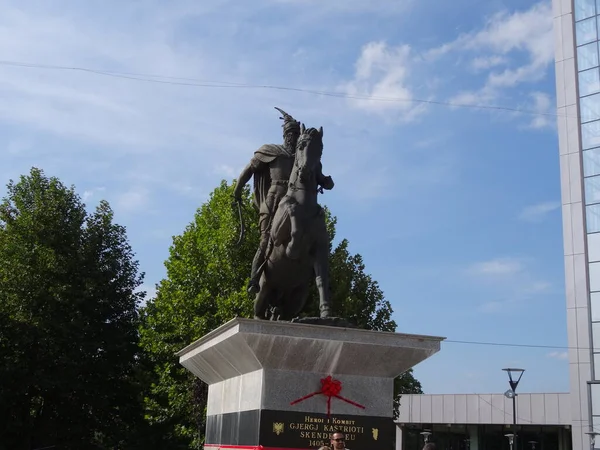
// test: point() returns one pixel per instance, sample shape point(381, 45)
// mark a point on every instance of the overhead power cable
point(505, 344)
point(193, 82)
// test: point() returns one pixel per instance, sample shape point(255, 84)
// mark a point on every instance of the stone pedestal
point(256, 370)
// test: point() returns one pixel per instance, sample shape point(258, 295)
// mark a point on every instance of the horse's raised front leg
point(322, 276)
point(294, 247)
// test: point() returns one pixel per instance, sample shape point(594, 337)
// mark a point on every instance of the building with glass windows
point(562, 420)
point(576, 30)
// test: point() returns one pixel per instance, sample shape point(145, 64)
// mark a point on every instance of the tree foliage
point(205, 286)
point(68, 321)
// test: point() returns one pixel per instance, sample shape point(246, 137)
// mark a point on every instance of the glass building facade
point(577, 56)
point(587, 33)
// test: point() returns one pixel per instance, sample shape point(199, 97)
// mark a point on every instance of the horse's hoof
point(325, 313)
point(259, 318)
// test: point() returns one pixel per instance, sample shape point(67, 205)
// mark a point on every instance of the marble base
point(256, 369)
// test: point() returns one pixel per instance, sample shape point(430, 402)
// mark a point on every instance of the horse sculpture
point(299, 245)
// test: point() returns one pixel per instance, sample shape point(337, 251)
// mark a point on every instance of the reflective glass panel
point(596, 375)
point(592, 218)
point(592, 190)
point(595, 303)
point(594, 273)
point(590, 135)
point(596, 425)
point(595, 388)
point(593, 244)
point(590, 108)
point(586, 31)
point(584, 9)
point(596, 337)
point(587, 56)
point(589, 82)
point(591, 162)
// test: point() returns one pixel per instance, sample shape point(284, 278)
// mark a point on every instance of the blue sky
point(455, 210)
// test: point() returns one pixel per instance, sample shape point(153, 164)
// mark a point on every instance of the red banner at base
point(247, 447)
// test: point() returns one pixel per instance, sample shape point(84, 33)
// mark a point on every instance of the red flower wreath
point(330, 387)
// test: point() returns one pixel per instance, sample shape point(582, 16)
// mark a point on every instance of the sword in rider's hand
point(238, 202)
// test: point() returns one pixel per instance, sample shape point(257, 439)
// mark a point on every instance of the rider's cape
point(262, 178)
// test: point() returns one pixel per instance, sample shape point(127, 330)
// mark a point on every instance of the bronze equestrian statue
point(298, 239)
point(271, 167)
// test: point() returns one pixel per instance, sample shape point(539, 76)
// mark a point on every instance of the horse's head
point(309, 150)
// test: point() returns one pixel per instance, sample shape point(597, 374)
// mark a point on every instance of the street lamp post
point(592, 435)
point(511, 440)
point(426, 435)
point(514, 376)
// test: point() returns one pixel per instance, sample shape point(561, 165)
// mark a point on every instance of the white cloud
point(382, 72)
point(510, 49)
point(227, 171)
point(133, 200)
point(536, 287)
point(91, 193)
point(493, 307)
point(515, 293)
point(497, 267)
point(538, 212)
point(543, 105)
point(487, 62)
point(559, 355)
point(19, 146)
point(179, 136)
point(379, 7)
point(485, 96)
point(516, 48)
point(529, 31)
point(140, 137)
point(511, 281)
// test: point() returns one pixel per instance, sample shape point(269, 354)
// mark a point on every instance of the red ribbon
point(330, 388)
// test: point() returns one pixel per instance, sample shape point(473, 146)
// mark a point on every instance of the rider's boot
point(259, 257)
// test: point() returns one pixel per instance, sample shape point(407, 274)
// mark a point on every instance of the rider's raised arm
point(242, 180)
point(253, 166)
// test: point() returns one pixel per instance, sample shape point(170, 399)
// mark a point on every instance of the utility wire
point(180, 81)
point(193, 82)
point(505, 344)
point(519, 419)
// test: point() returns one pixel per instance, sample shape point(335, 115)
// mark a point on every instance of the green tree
point(205, 286)
point(68, 321)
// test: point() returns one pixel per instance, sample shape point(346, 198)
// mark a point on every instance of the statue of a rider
point(271, 167)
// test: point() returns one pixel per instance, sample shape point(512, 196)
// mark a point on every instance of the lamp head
point(426, 435)
point(514, 376)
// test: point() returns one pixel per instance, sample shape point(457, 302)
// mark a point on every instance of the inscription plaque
point(285, 429)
